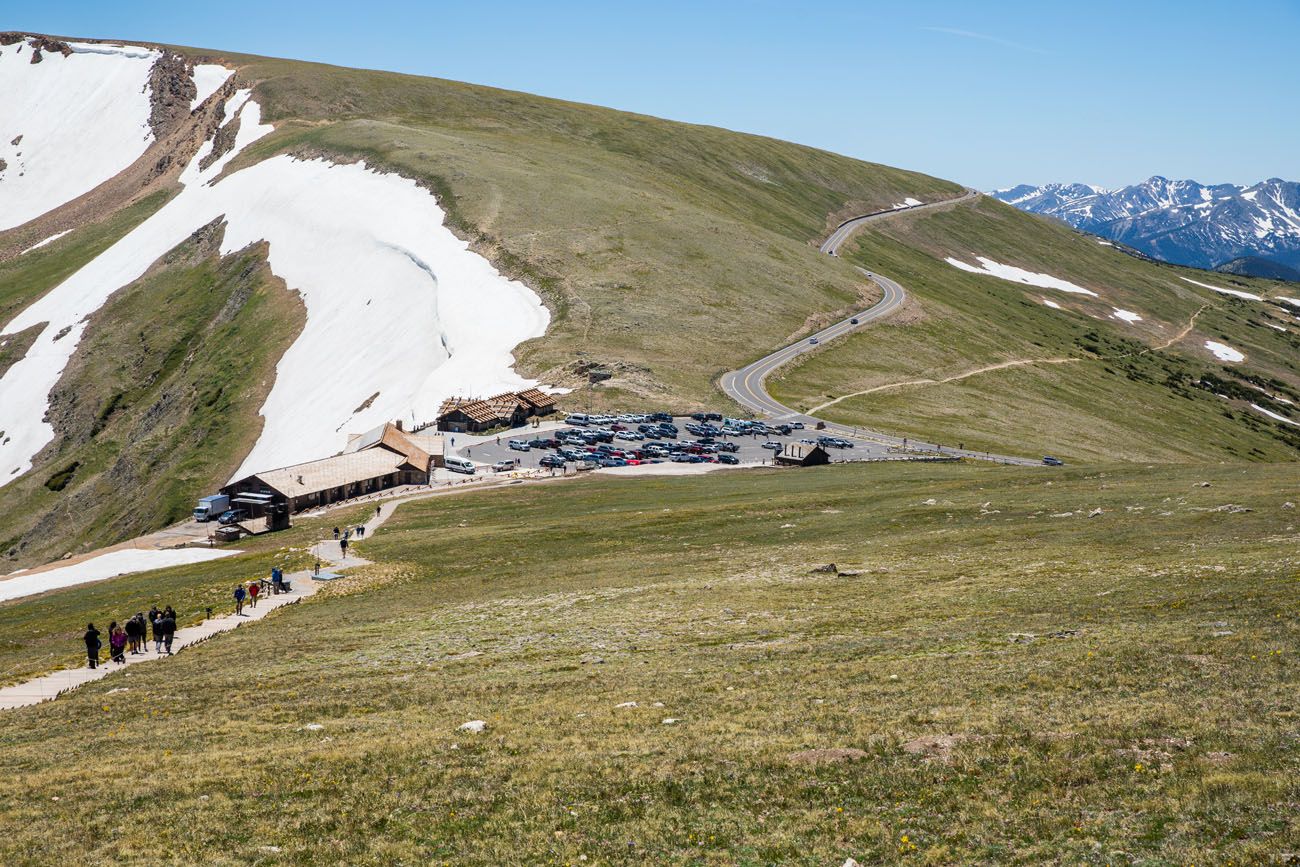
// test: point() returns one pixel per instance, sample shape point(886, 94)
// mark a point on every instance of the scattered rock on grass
point(626, 704)
point(314, 727)
point(849, 862)
point(671, 721)
point(934, 746)
point(474, 725)
point(829, 567)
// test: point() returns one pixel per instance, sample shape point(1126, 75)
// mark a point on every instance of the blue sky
point(985, 93)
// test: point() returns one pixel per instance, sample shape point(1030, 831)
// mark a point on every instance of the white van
point(459, 465)
point(578, 418)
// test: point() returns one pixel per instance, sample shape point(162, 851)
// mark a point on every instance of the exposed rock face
point(171, 84)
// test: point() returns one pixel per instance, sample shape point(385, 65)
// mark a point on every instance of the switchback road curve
point(747, 386)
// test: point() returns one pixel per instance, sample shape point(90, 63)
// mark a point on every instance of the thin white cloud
point(984, 37)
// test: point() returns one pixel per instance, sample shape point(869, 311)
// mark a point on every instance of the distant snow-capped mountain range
point(1179, 221)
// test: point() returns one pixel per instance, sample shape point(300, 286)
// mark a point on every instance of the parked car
point(519, 445)
point(773, 445)
point(505, 465)
point(232, 516)
point(552, 461)
point(725, 458)
point(797, 425)
point(728, 447)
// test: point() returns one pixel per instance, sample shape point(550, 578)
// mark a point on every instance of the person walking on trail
point(240, 593)
point(343, 546)
point(117, 644)
point(155, 621)
point(277, 579)
point(132, 635)
point(92, 644)
point(378, 509)
point(336, 532)
point(361, 530)
point(253, 589)
point(168, 622)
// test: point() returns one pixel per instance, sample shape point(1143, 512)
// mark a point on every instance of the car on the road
point(232, 516)
point(1053, 462)
point(725, 458)
point(520, 445)
point(853, 321)
point(773, 445)
point(552, 461)
point(797, 425)
point(813, 340)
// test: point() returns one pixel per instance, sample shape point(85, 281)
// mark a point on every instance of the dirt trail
point(1001, 365)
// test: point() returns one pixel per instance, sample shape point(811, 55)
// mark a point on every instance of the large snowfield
point(1019, 275)
point(82, 119)
point(110, 565)
point(396, 304)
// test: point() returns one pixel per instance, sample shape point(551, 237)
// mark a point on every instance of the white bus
point(459, 465)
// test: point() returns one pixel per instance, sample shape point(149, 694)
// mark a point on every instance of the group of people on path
point(132, 636)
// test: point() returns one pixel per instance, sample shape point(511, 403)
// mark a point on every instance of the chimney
point(398, 424)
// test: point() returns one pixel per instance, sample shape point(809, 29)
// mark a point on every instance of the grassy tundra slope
point(1001, 679)
point(1095, 387)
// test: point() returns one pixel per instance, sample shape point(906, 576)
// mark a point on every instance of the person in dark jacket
point(92, 644)
point(155, 618)
point(169, 629)
point(240, 593)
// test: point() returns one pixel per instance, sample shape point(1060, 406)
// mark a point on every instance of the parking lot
point(748, 448)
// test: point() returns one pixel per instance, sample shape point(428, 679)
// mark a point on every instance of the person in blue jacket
point(240, 593)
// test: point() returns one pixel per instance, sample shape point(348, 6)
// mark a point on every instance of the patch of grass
point(1025, 684)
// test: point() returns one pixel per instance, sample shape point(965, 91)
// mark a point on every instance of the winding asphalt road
point(747, 386)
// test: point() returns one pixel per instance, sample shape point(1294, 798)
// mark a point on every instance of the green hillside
point(1097, 388)
point(994, 675)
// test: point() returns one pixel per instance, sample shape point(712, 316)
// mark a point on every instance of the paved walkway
point(52, 685)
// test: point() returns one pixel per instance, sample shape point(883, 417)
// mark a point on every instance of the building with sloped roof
point(802, 455)
point(381, 459)
point(509, 409)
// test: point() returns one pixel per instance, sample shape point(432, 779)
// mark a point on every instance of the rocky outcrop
point(171, 86)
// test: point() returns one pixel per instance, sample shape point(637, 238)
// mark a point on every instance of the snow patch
point(1105, 243)
point(1237, 292)
point(208, 77)
point(1052, 304)
point(1274, 415)
point(1019, 275)
point(1223, 351)
point(50, 240)
point(105, 566)
point(98, 93)
point(1294, 302)
point(1126, 315)
point(396, 304)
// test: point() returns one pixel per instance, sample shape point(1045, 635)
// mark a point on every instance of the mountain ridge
point(1183, 222)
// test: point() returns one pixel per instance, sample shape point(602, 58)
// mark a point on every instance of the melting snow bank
point(207, 78)
point(1294, 302)
point(49, 113)
point(105, 566)
point(909, 202)
point(1126, 315)
point(396, 304)
point(50, 240)
point(1019, 275)
point(1237, 292)
point(1223, 351)
point(1052, 304)
point(1274, 415)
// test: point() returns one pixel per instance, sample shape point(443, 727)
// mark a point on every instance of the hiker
point(239, 600)
point(379, 508)
point(169, 629)
point(117, 644)
point(253, 589)
point(155, 618)
point(277, 580)
point(132, 634)
point(361, 531)
point(92, 644)
point(336, 532)
point(343, 546)
point(316, 570)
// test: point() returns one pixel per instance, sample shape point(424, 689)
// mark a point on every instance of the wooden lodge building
point(511, 409)
point(383, 458)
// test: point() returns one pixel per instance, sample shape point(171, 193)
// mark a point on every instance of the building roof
point(799, 452)
point(390, 437)
point(489, 409)
point(326, 473)
point(538, 398)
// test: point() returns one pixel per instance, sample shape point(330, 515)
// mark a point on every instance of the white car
point(773, 445)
